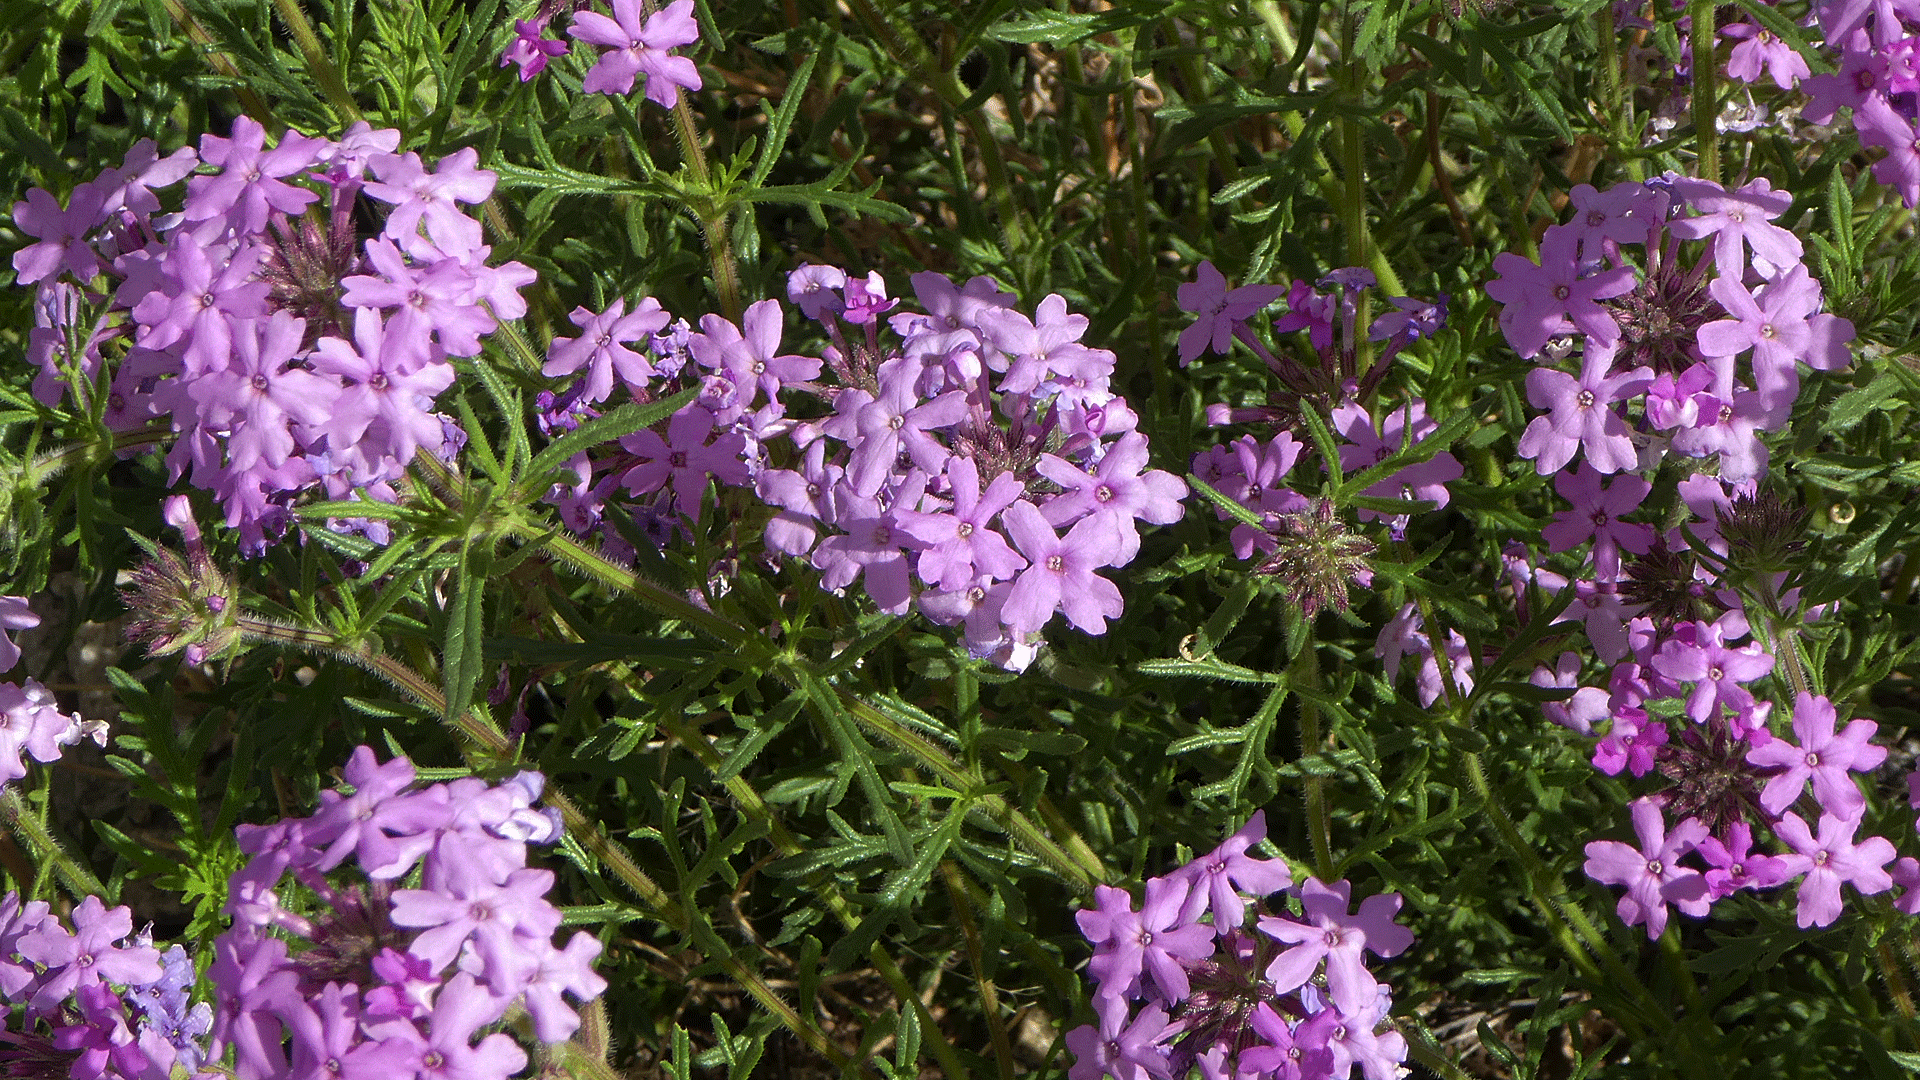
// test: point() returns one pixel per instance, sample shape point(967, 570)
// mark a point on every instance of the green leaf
point(1207, 667)
point(780, 124)
point(464, 660)
point(606, 428)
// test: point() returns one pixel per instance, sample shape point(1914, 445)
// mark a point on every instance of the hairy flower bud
point(181, 605)
point(1763, 533)
point(1314, 556)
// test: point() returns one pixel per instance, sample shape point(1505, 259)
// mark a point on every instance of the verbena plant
point(1282, 539)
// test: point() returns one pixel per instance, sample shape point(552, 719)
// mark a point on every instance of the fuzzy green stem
point(100, 451)
point(714, 221)
point(315, 55)
point(989, 994)
point(45, 847)
point(1706, 88)
point(1319, 824)
point(1548, 894)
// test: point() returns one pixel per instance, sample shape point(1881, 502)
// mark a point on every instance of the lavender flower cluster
point(1301, 544)
point(1288, 997)
point(1876, 49)
point(951, 454)
point(362, 981)
point(73, 1019)
point(284, 352)
point(380, 981)
point(1675, 613)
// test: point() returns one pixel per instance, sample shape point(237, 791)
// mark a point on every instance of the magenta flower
point(1545, 300)
point(1060, 572)
point(1581, 416)
point(530, 48)
point(1652, 873)
point(1630, 743)
point(1218, 876)
point(1735, 865)
point(1596, 516)
point(1828, 861)
point(1823, 757)
point(634, 49)
point(1153, 940)
point(1339, 938)
point(1221, 312)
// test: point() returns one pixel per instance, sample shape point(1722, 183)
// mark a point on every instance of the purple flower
point(1595, 516)
point(1652, 873)
point(1542, 301)
point(1733, 217)
point(1759, 50)
point(1116, 489)
point(1821, 756)
point(1366, 448)
point(89, 955)
point(1153, 940)
point(432, 197)
point(1330, 933)
point(497, 918)
point(897, 420)
point(1221, 312)
point(963, 546)
point(1581, 416)
point(259, 393)
point(14, 615)
point(600, 348)
point(751, 359)
point(1060, 572)
point(61, 233)
point(1716, 671)
point(1828, 861)
point(685, 458)
point(633, 48)
point(1132, 1052)
point(248, 186)
point(1215, 876)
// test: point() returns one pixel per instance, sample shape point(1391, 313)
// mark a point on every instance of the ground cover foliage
point(820, 775)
